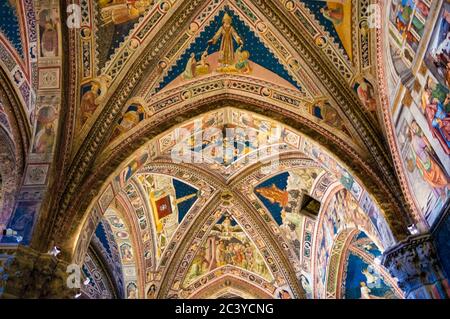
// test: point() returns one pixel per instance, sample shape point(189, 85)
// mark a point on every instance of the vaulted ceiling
point(102, 100)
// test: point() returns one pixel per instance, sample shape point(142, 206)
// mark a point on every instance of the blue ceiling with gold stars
point(259, 53)
point(9, 25)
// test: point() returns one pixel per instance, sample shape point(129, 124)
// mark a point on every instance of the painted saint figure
point(189, 71)
point(335, 15)
point(227, 33)
point(426, 161)
point(437, 114)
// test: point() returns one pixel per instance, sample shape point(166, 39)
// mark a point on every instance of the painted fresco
point(120, 245)
point(336, 18)
point(48, 33)
point(425, 170)
point(116, 19)
point(408, 19)
point(45, 130)
point(363, 281)
point(227, 244)
point(132, 167)
point(92, 94)
point(436, 98)
point(341, 212)
point(227, 45)
point(25, 215)
point(282, 196)
point(134, 114)
point(422, 118)
point(170, 200)
point(364, 278)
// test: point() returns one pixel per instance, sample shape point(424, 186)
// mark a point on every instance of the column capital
point(415, 265)
point(27, 273)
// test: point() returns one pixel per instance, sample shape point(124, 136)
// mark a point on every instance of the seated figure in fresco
point(189, 71)
point(49, 38)
point(122, 11)
point(202, 66)
point(426, 161)
point(242, 65)
point(93, 97)
point(335, 15)
point(366, 93)
point(88, 101)
point(436, 111)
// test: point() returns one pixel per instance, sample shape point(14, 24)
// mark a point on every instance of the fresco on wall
point(336, 18)
point(437, 57)
point(134, 114)
point(170, 200)
point(227, 244)
point(48, 33)
point(422, 117)
point(282, 196)
point(45, 130)
point(363, 277)
point(408, 19)
point(363, 281)
point(227, 45)
point(133, 166)
point(342, 212)
point(22, 222)
point(366, 93)
point(116, 19)
point(425, 170)
point(408, 22)
point(435, 98)
point(92, 94)
point(118, 245)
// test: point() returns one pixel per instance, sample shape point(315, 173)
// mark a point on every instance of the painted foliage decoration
point(227, 244)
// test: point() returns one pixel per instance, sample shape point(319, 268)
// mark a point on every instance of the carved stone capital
point(414, 263)
point(26, 273)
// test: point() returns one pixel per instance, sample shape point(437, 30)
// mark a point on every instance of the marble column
point(415, 265)
point(26, 273)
